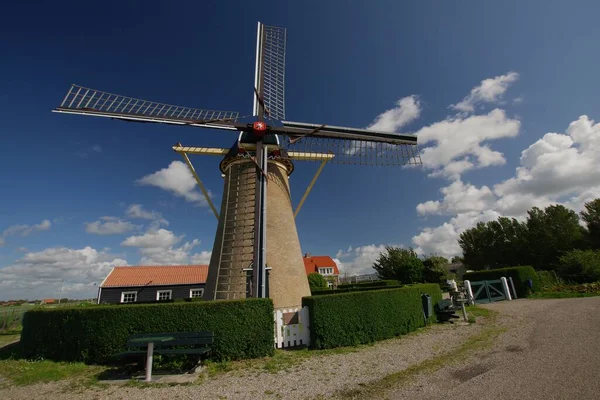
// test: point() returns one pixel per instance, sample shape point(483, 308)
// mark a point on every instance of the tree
point(401, 264)
point(495, 244)
point(317, 281)
point(591, 217)
point(552, 232)
point(435, 269)
point(580, 266)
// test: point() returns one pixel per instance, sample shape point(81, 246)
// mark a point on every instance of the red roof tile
point(311, 264)
point(156, 275)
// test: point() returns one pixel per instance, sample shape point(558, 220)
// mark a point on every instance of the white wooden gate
point(291, 327)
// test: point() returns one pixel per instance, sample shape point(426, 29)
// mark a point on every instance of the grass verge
point(24, 372)
point(482, 340)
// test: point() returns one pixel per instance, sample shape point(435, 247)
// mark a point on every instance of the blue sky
point(514, 72)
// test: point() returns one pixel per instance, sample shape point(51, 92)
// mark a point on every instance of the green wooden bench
point(167, 343)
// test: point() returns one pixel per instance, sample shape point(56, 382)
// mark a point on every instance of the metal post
point(149, 362)
point(464, 311)
point(260, 228)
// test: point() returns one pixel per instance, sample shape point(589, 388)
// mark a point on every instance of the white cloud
point(158, 248)
point(443, 240)
point(559, 168)
point(359, 260)
point(55, 272)
point(177, 179)
point(202, 258)
point(458, 198)
point(490, 90)
point(406, 110)
point(138, 211)
point(109, 226)
point(24, 230)
point(459, 142)
point(161, 239)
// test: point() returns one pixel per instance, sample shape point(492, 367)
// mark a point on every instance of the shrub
point(348, 319)
point(548, 279)
point(242, 328)
point(381, 283)
point(432, 289)
point(580, 266)
point(520, 276)
point(316, 281)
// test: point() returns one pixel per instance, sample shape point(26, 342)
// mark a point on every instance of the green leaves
point(400, 264)
point(243, 328)
point(348, 319)
point(317, 281)
point(591, 216)
point(580, 266)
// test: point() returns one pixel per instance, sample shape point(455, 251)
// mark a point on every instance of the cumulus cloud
point(489, 90)
point(177, 179)
point(459, 143)
point(559, 168)
point(57, 271)
point(458, 198)
point(443, 240)
point(406, 110)
point(358, 260)
point(138, 211)
point(158, 248)
point(24, 230)
point(109, 226)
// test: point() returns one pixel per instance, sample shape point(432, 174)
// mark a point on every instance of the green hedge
point(348, 319)
point(432, 289)
point(520, 276)
point(388, 282)
point(243, 328)
point(353, 289)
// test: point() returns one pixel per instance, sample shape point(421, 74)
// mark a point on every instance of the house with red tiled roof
point(135, 284)
point(323, 265)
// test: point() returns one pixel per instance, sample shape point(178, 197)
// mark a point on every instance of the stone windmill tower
point(257, 252)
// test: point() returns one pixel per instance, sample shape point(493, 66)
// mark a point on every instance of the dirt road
point(551, 350)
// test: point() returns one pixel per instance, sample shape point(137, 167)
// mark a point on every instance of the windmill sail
point(85, 101)
point(269, 78)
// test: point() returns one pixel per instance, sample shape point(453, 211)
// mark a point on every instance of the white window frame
point(326, 271)
point(134, 292)
point(330, 284)
point(158, 293)
point(201, 292)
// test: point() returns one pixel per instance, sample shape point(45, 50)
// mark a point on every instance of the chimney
point(307, 255)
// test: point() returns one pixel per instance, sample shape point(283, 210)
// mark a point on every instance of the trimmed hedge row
point(519, 274)
point(348, 319)
point(353, 289)
point(388, 282)
point(242, 328)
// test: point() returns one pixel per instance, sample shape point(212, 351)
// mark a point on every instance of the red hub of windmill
point(259, 128)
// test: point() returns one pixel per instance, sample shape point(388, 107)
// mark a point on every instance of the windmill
point(257, 252)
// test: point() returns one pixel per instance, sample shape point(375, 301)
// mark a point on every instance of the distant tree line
point(555, 238)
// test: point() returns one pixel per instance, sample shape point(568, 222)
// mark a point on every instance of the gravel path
point(551, 351)
point(318, 376)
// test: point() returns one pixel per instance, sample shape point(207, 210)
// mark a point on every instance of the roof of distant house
point(49, 301)
point(156, 275)
point(313, 263)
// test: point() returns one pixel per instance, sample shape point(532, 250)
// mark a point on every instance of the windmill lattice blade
point(271, 69)
point(81, 100)
point(357, 152)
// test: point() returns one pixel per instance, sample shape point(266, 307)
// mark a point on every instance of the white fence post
point(512, 285)
point(469, 291)
point(505, 287)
